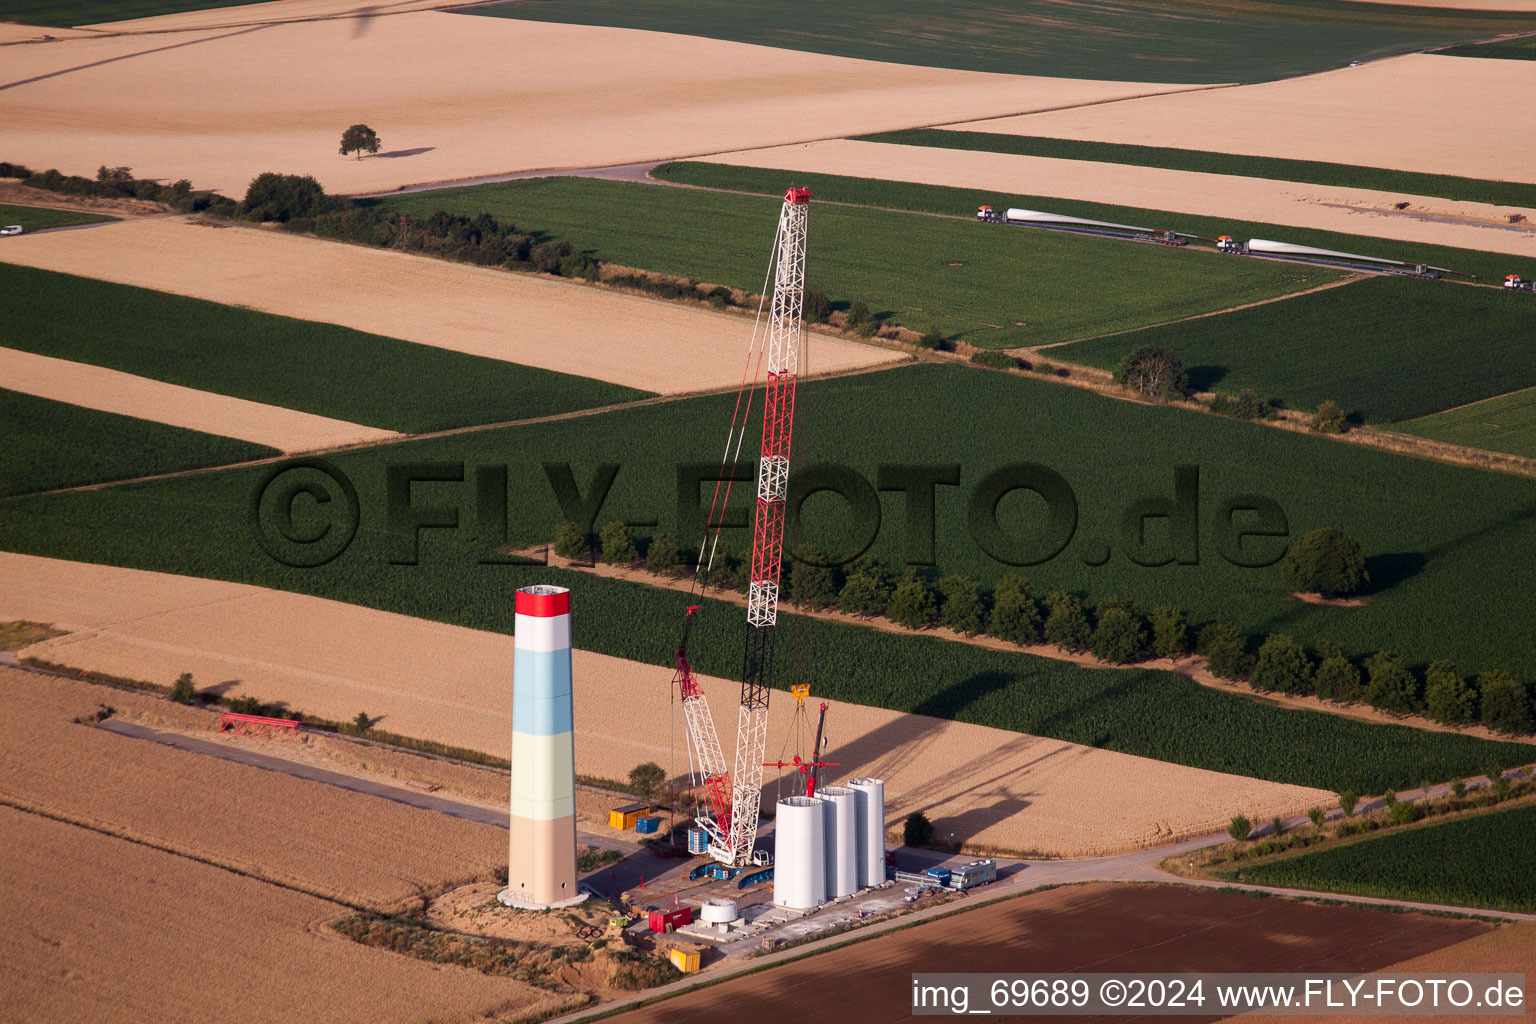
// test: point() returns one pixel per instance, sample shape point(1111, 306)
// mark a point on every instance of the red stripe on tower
point(543, 605)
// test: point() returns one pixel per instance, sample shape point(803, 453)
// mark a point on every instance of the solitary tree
point(647, 778)
point(1329, 418)
point(1347, 801)
point(917, 830)
point(359, 139)
point(362, 721)
point(1154, 372)
point(183, 692)
point(1326, 562)
point(1239, 827)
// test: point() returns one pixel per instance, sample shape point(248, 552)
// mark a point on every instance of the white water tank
point(718, 911)
point(870, 849)
point(800, 859)
point(842, 840)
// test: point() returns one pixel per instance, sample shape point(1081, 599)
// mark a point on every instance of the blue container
point(940, 875)
point(648, 824)
point(698, 841)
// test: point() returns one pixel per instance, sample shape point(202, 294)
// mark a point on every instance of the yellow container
point(623, 818)
point(684, 960)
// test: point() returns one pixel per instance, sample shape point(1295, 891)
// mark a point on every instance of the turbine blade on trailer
point(1040, 217)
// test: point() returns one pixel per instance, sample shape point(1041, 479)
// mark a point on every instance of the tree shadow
point(1387, 571)
point(1203, 378)
point(406, 152)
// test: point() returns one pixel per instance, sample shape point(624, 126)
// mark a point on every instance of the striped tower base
point(541, 867)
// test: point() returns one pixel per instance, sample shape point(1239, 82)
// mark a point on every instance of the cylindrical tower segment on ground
point(842, 843)
point(870, 849)
point(799, 864)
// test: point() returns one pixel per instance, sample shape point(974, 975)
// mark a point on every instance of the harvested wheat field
point(1101, 928)
point(1510, 949)
point(304, 835)
point(522, 318)
point(101, 929)
point(995, 788)
point(273, 11)
point(127, 394)
point(1327, 208)
point(456, 96)
point(1377, 114)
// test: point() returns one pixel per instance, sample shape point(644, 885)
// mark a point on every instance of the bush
point(1458, 788)
point(617, 545)
point(281, 197)
point(10, 170)
point(1066, 624)
point(917, 830)
point(1390, 686)
point(1329, 418)
point(1326, 562)
point(645, 779)
point(1347, 801)
point(362, 722)
point(665, 556)
point(579, 264)
point(964, 609)
point(1015, 616)
point(1447, 697)
point(1170, 631)
point(812, 585)
point(1404, 812)
point(182, 691)
point(1282, 666)
point(1338, 679)
point(1245, 405)
point(1239, 827)
point(1317, 815)
point(570, 541)
point(935, 339)
point(1505, 706)
point(858, 314)
point(912, 604)
point(996, 360)
point(1277, 827)
point(867, 590)
point(1153, 372)
point(1225, 650)
point(817, 307)
point(548, 256)
point(1119, 638)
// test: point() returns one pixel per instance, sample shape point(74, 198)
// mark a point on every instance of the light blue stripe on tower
point(541, 673)
point(540, 716)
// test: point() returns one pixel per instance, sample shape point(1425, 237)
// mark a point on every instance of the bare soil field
point(991, 787)
point(1510, 949)
point(97, 387)
point(1328, 208)
point(319, 839)
point(454, 96)
point(1439, 115)
point(522, 318)
point(1098, 927)
point(102, 929)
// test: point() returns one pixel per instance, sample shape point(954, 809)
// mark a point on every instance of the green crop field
point(52, 444)
point(1387, 348)
point(1503, 424)
point(1155, 714)
point(36, 218)
point(901, 195)
point(1477, 190)
point(68, 13)
point(1423, 560)
point(992, 288)
point(1510, 49)
point(299, 364)
point(1479, 861)
point(1176, 41)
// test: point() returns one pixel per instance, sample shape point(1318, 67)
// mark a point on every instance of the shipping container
point(648, 824)
point(624, 818)
point(664, 920)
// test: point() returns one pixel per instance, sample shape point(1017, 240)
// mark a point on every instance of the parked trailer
point(1291, 252)
point(1080, 226)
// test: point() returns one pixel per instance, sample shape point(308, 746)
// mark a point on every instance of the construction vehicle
point(733, 794)
point(1514, 283)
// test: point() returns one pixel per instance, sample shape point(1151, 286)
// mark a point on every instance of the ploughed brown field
point(1420, 112)
point(430, 680)
point(1100, 928)
point(97, 928)
point(457, 96)
point(318, 839)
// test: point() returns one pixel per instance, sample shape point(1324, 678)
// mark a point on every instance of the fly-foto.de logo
point(306, 513)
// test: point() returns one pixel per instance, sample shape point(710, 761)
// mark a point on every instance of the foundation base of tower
point(507, 898)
